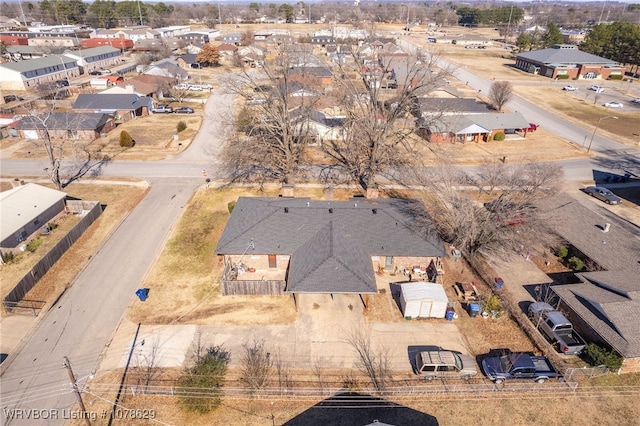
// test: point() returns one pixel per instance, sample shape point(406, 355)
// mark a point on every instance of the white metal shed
point(423, 300)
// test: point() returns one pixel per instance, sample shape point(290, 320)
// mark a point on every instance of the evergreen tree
point(553, 35)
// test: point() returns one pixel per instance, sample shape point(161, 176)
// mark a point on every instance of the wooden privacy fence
point(91, 211)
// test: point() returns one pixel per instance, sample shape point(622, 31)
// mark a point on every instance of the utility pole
point(140, 12)
point(74, 386)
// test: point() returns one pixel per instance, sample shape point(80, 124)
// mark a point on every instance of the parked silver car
point(603, 194)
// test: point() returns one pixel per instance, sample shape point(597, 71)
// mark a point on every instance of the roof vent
point(286, 209)
point(374, 211)
point(308, 204)
point(355, 205)
point(331, 210)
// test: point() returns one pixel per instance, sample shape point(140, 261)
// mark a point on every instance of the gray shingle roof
point(94, 51)
point(556, 55)
point(312, 70)
point(39, 63)
point(450, 105)
point(111, 102)
point(512, 120)
point(609, 301)
point(330, 250)
point(64, 120)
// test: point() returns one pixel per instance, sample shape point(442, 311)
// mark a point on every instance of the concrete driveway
point(319, 337)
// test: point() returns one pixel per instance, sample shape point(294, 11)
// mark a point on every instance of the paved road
point(80, 324)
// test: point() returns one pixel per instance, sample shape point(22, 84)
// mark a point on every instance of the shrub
point(52, 225)
point(598, 355)
point(499, 136)
point(562, 252)
point(492, 304)
point(126, 141)
point(8, 257)
point(575, 263)
point(562, 77)
point(231, 206)
point(615, 77)
point(199, 385)
point(181, 126)
point(34, 244)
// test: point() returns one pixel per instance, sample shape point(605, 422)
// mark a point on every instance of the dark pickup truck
point(518, 366)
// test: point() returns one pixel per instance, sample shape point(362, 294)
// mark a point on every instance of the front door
point(272, 261)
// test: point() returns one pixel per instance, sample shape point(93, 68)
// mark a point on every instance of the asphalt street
point(80, 324)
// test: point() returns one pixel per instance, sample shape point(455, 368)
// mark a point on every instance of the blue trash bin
point(449, 315)
point(142, 294)
point(474, 310)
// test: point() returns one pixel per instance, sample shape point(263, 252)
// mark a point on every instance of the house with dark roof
point(66, 125)
point(469, 127)
point(604, 304)
point(186, 60)
point(122, 106)
point(424, 107)
point(567, 61)
point(298, 245)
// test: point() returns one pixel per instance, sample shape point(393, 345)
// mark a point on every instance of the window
point(428, 368)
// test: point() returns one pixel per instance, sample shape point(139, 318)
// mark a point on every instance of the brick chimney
point(287, 190)
point(373, 192)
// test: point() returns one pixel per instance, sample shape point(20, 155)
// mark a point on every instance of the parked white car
point(597, 89)
point(636, 101)
point(195, 88)
point(569, 88)
point(613, 104)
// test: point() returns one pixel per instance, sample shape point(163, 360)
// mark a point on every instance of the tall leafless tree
point(69, 156)
point(379, 96)
point(375, 362)
point(500, 93)
point(509, 220)
point(273, 128)
point(256, 364)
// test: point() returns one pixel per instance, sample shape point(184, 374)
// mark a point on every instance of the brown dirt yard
point(119, 199)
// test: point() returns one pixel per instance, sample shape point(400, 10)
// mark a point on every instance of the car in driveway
point(94, 72)
point(597, 89)
point(183, 110)
point(612, 104)
point(532, 128)
point(443, 364)
point(570, 88)
point(602, 194)
point(162, 109)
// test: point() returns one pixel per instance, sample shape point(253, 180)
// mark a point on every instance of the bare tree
point(374, 362)
point(285, 380)
point(70, 156)
point(256, 364)
point(273, 129)
point(511, 221)
point(500, 93)
point(379, 97)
